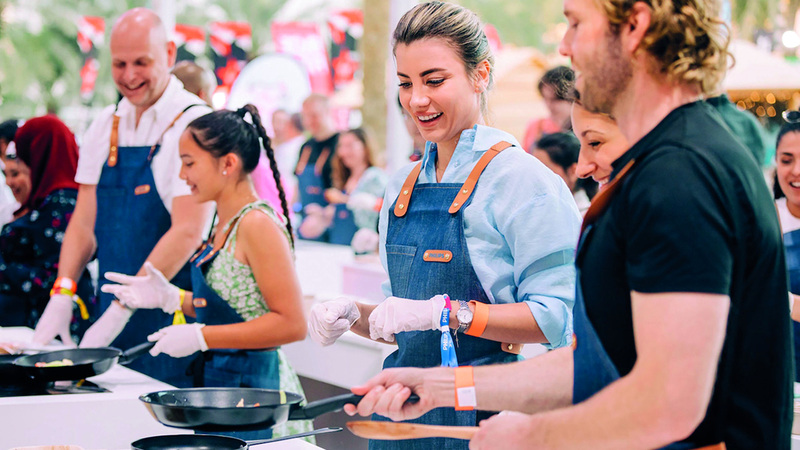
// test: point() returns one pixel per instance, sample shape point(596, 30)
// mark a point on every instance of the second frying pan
point(87, 362)
point(214, 409)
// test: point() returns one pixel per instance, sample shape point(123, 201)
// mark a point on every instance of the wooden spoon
point(393, 431)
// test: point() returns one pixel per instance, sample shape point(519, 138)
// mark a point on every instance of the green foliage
point(520, 22)
point(40, 60)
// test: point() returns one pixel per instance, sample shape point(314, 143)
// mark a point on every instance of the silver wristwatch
point(464, 316)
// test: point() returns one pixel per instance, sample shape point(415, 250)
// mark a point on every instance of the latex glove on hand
point(396, 315)
point(179, 340)
point(149, 291)
point(107, 327)
point(55, 321)
point(364, 200)
point(365, 241)
point(327, 321)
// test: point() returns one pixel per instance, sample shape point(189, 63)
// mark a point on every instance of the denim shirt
point(521, 228)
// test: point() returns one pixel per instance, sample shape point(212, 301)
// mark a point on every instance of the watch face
point(464, 315)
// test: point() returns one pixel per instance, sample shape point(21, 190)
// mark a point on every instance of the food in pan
point(57, 363)
point(241, 404)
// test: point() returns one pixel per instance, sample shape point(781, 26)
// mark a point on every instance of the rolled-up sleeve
point(531, 259)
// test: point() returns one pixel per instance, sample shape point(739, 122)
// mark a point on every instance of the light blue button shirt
point(521, 228)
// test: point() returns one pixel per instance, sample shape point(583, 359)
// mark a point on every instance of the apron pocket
point(398, 260)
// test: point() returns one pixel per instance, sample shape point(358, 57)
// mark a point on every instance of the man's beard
point(609, 78)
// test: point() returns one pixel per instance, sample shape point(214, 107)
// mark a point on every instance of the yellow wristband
point(81, 305)
point(178, 318)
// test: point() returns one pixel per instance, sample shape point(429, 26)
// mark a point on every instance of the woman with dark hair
point(786, 188)
point(555, 87)
point(41, 172)
point(355, 198)
point(245, 294)
point(559, 152)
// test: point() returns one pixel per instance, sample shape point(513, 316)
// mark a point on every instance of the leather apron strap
point(404, 198)
point(472, 179)
point(113, 149)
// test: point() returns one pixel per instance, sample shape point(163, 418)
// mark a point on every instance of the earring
point(225, 172)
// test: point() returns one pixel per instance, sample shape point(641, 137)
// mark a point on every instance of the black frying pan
point(210, 441)
point(214, 409)
point(87, 362)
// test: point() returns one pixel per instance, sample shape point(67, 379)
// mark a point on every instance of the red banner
point(190, 40)
point(230, 41)
point(346, 28)
point(304, 41)
point(91, 31)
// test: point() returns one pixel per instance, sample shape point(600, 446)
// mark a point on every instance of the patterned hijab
point(49, 149)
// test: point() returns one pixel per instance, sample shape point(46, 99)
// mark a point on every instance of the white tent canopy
point(757, 70)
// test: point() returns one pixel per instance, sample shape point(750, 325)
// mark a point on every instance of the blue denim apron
point(229, 367)
point(593, 369)
point(131, 219)
point(309, 183)
point(791, 242)
point(429, 224)
point(343, 227)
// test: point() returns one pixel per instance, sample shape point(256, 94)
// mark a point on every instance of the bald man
point(195, 79)
point(132, 207)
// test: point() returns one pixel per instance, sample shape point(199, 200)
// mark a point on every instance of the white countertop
point(109, 420)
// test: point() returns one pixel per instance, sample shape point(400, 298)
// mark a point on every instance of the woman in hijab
point(30, 245)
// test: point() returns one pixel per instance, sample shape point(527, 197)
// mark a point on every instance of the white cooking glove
point(363, 200)
point(332, 319)
point(179, 340)
point(365, 240)
point(149, 291)
point(55, 321)
point(401, 314)
point(107, 327)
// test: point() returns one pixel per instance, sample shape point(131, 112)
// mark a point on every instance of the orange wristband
point(479, 319)
point(64, 283)
point(465, 389)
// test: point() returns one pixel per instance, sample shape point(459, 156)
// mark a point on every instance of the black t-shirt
point(317, 147)
point(695, 215)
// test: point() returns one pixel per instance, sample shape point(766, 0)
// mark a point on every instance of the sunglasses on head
point(791, 116)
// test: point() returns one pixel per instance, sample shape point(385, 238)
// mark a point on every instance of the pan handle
point(298, 435)
point(332, 404)
point(134, 352)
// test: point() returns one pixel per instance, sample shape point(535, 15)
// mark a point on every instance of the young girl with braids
point(245, 294)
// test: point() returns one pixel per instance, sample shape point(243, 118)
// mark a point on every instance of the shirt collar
point(650, 142)
point(479, 138)
point(161, 105)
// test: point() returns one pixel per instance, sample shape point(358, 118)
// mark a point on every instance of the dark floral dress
point(29, 250)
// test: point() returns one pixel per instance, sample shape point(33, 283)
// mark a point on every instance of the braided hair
point(224, 131)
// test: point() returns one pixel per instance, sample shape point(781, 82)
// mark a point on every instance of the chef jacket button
point(401, 206)
point(405, 192)
point(465, 191)
point(455, 203)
